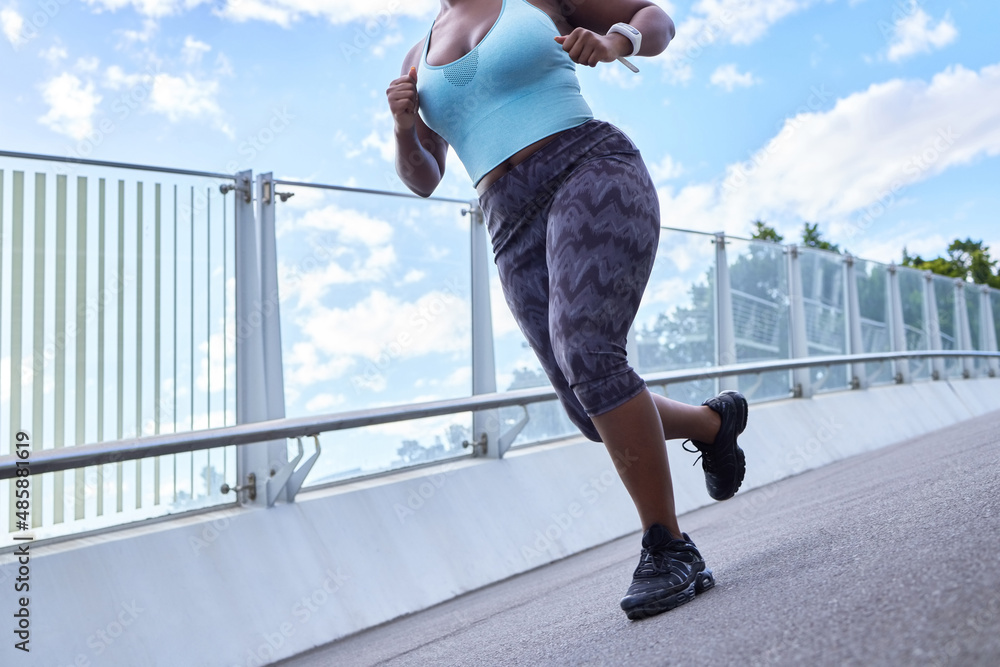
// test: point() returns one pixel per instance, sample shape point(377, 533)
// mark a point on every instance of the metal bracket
point(290, 478)
point(507, 439)
point(226, 188)
point(250, 487)
point(299, 476)
point(478, 447)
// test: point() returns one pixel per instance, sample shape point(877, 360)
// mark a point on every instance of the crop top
point(515, 87)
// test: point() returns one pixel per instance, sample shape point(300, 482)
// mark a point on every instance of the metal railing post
point(801, 377)
point(724, 330)
point(484, 377)
point(274, 381)
point(856, 343)
point(254, 463)
point(932, 325)
point(897, 326)
point(962, 330)
point(987, 329)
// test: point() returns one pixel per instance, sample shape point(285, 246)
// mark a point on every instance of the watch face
point(630, 28)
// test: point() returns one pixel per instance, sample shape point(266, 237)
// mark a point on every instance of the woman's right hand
point(403, 100)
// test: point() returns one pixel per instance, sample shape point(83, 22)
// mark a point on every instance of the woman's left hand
point(589, 48)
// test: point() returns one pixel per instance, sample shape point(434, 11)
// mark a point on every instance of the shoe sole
point(703, 581)
point(741, 461)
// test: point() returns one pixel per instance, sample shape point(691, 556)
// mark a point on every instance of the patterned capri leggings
point(575, 229)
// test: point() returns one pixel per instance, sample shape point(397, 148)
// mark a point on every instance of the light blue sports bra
point(516, 87)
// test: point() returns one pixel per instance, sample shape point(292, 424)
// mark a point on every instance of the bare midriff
point(501, 169)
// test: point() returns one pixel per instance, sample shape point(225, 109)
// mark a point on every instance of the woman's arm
point(589, 42)
point(420, 152)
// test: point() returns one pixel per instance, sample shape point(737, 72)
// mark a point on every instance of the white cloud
point(87, 64)
point(367, 338)
point(912, 33)
point(324, 402)
point(194, 50)
point(726, 21)
point(286, 12)
point(728, 77)
point(115, 78)
point(414, 276)
point(54, 53)
point(379, 49)
point(303, 366)
point(618, 75)
point(359, 250)
point(149, 27)
point(152, 8)
point(351, 226)
point(833, 166)
point(665, 170)
point(186, 97)
point(12, 24)
point(381, 142)
point(72, 105)
point(383, 325)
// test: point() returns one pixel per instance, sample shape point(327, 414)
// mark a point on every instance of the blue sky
point(863, 89)
point(879, 120)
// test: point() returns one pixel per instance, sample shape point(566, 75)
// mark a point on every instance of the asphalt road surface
point(887, 558)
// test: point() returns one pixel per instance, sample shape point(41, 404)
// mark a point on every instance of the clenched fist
point(403, 100)
point(589, 48)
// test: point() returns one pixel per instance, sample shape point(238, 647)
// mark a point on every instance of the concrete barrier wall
point(247, 587)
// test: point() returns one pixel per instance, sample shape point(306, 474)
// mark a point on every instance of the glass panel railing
point(973, 309)
point(825, 312)
point(675, 326)
point(873, 304)
point(375, 311)
point(944, 293)
point(995, 307)
point(758, 276)
point(116, 321)
point(911, 293)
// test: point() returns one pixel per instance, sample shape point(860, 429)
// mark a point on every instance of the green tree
point(763, 232)
point(812, 238)
point(969, 260)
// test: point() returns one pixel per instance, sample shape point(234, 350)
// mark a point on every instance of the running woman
point(574, 220)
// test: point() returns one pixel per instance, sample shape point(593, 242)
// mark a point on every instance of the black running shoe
point(723, 461)
point(670, 573)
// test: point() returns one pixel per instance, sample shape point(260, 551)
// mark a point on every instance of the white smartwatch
point(630, 33)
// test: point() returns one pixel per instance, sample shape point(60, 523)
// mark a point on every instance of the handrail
point(116, 165)
point(68, 458)
point(368, 191)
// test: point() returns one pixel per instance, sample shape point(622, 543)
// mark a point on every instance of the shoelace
point(653, 563)
point(700, 453)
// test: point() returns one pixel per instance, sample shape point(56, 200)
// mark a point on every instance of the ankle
point(712, 425)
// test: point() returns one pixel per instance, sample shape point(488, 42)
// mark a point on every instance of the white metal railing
point(127, 385)
point(115, 315)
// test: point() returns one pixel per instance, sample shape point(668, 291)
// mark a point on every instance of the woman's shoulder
point(412, 57)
